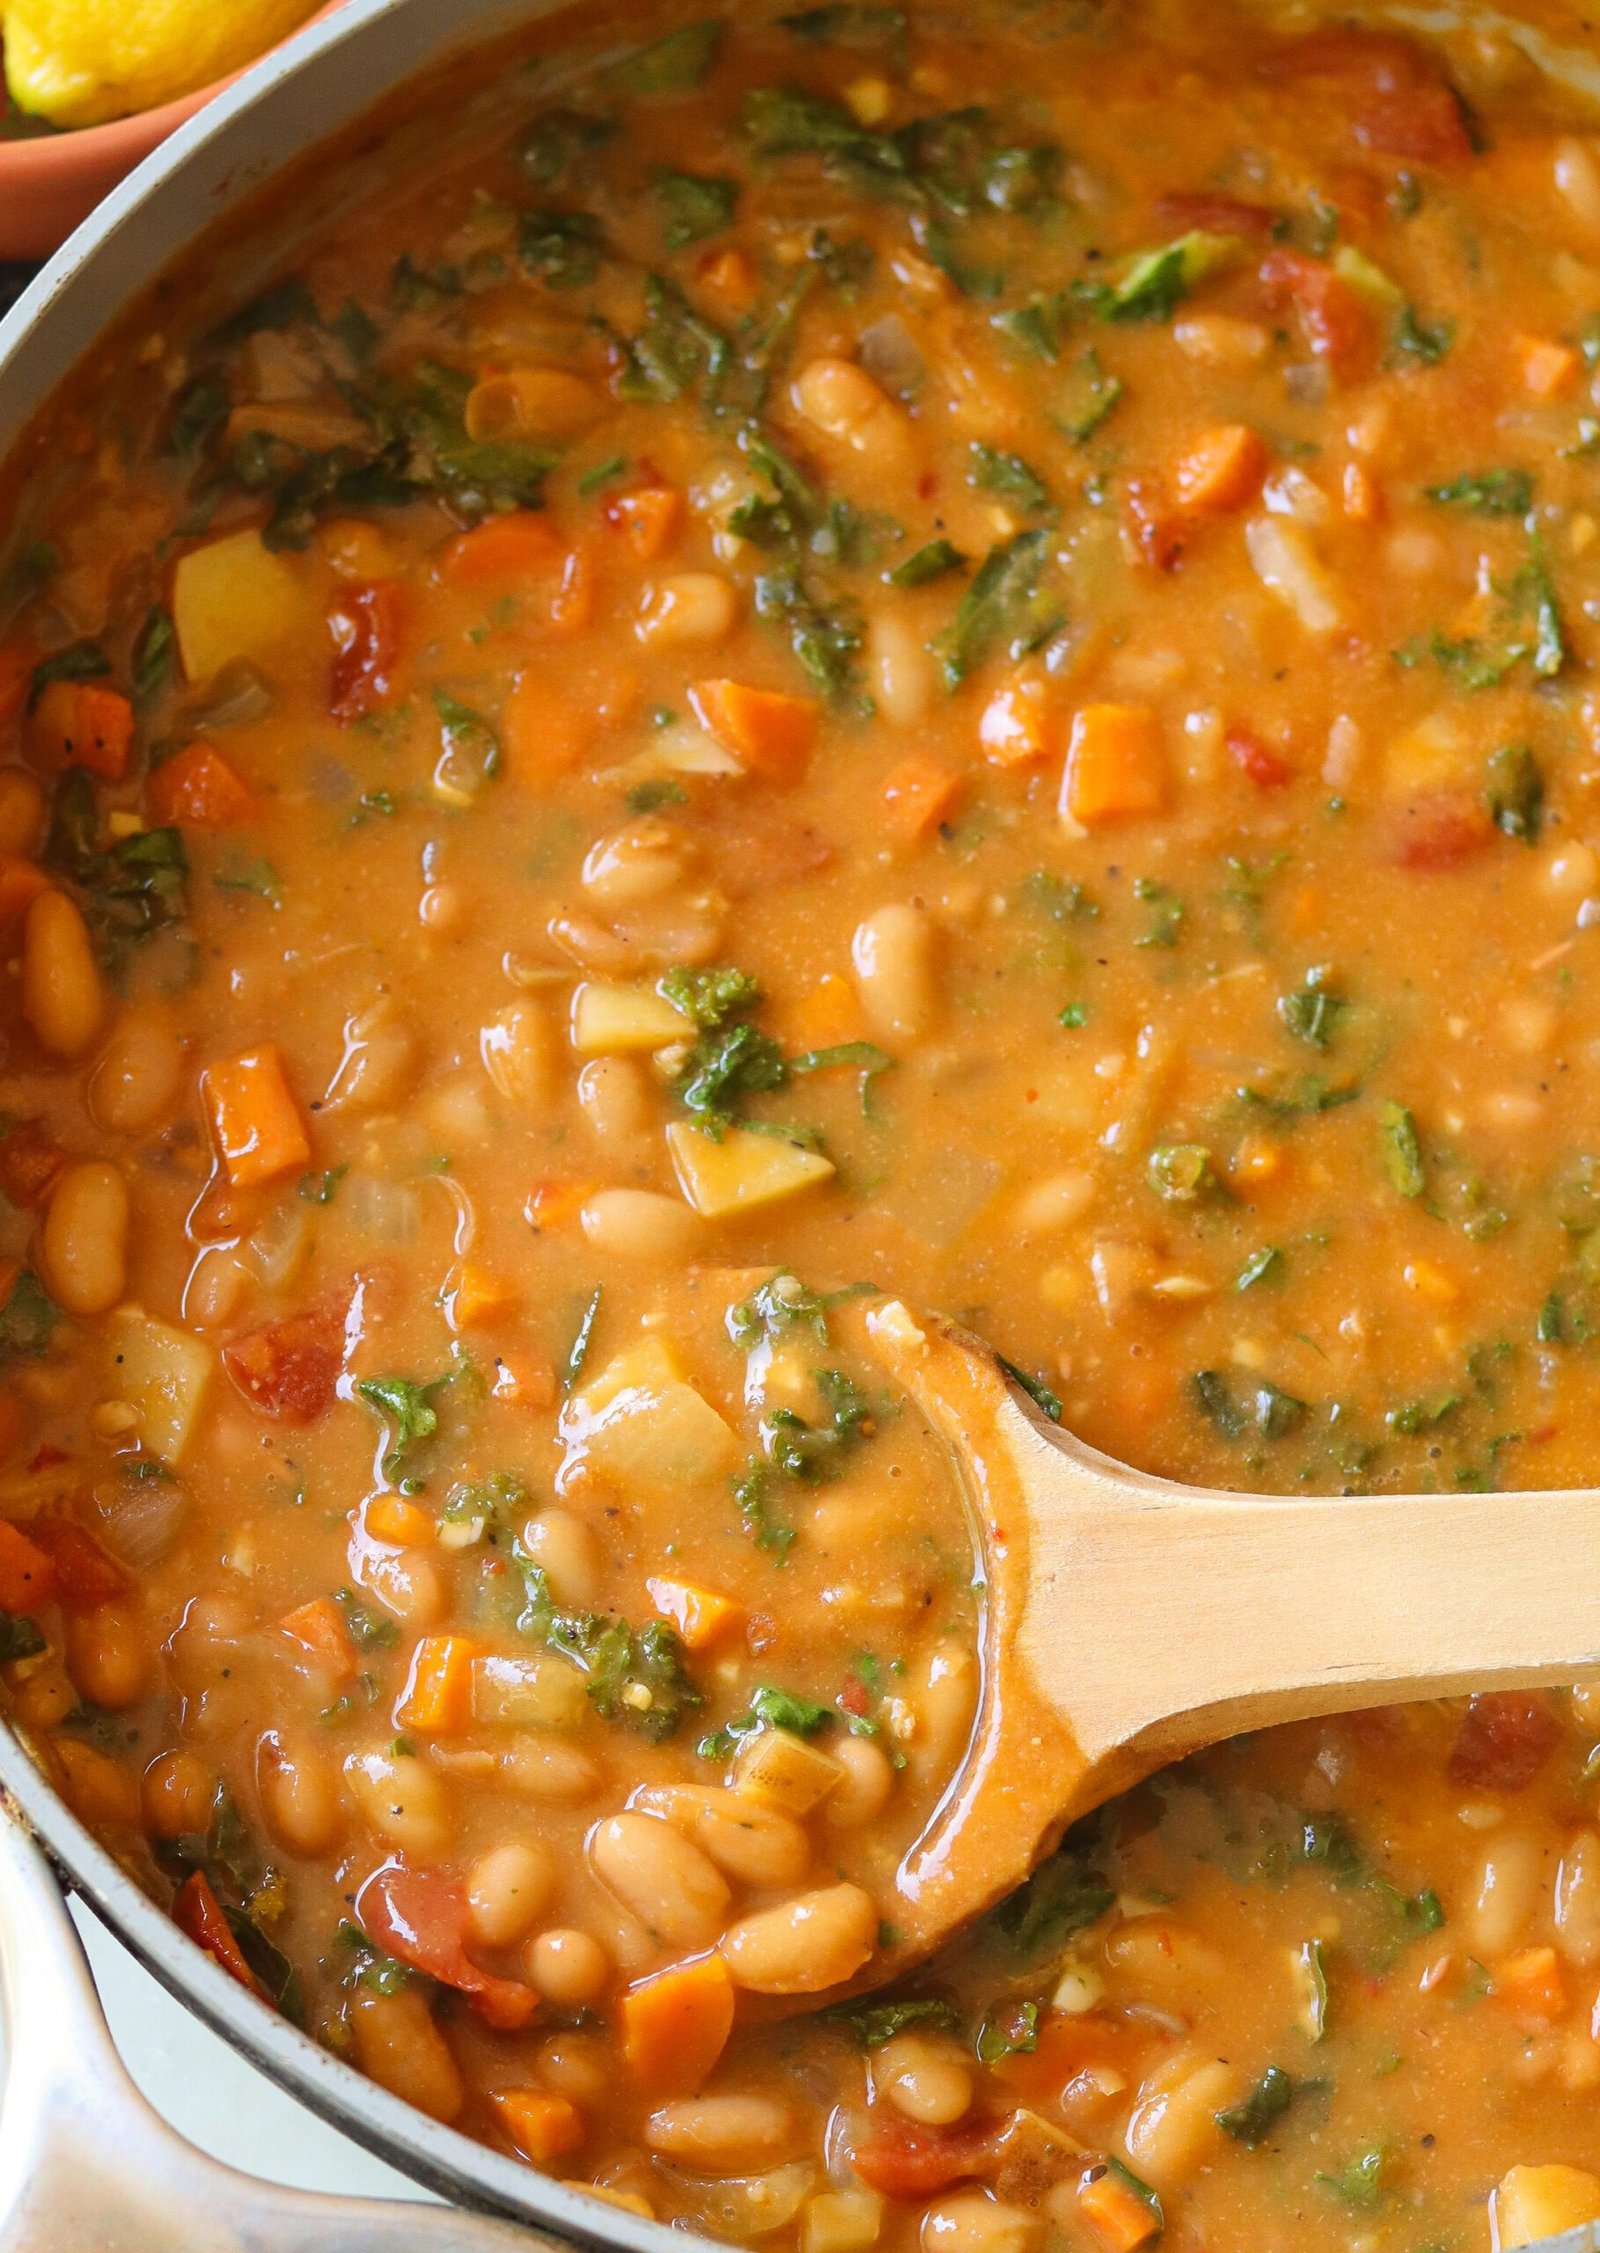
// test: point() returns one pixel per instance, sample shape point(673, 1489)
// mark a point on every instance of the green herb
point(287, 304)
point(1047, 1402)
point(1360, 2184)
point(1515, 793)
point(408, 1413)
point(412, 289)
point(470, 743)
point(708, 998)
point(321, 1188)
point(129, 890)
point(1265, 1266)
point(1064, 1896)
point(1089, 396)
point(934, 561)
point(755, 1495)
point(1000, 607)
point(355, 329)
point(1181, 1171)
point(368, 1630)
point(554, 143)
point(1140, 2189)
point(257, 877)
point(369, 1966)
point(79, 661)
point(772, 1708)
point(602, 474)
point(1488, 492)
point(693, 205)
point(1009, 2030)
point(27, 1320)
point(650, 797)
point(1156, 282)
point(635, 1675)
point(19, 1638)
point(875, 2023)
point(154, 652)
point(1037, 325)
point(562, 249)
point(1401, 1148)
point(674, 65)
point(824, 640)
point(582, 1339)
point(1252, 2120)
point(1167, 920)
point(723, 1068)
point(1417, 339)
point(1073, 1015)
point(1312, 1013)
point(848, 23)
point(994, 472)
point(1269, 1411)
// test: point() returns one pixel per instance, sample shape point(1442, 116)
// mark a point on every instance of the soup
point(789, 669)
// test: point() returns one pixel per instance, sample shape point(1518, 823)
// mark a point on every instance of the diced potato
point(163, 1374)
point(529, 1693)
point(1535, 2202)
point(640, 1423)
point(610, 1020)
point(741, 1171)
point(650, 1364)
point(232, 599)
point(784, 1771)
point(1429, 756)
point(841, 2221)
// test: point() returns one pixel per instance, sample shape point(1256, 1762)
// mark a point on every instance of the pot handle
point(84, 2161)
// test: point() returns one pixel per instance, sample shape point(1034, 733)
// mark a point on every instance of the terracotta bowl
point(48, 184)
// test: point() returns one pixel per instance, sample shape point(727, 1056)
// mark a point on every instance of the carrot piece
point(86, 1577)
point(1221, 470)
point(1361, 494)
point(390, 1517)
point(1014, 727)
point(319, 1628)
point(81, 724)
point(542, 733)
point(254, 1117)
point(918, 795)
point(1115, 767)
point(477, 1294)
point(21, 882)
point(198, 1912)
point(198, 789)
point(649, 516)
point(700, 1615)
point(526, 1379)
point(1533, 1984)
point(27, 1575)
point(500, 549)
point(675, 2025)
point(1547, 367)
point(438, 1692)
point(556, 1204)
point(17, 662)
point(572, 604)
point(772, 735)
point(730, 274)
point(828, 1016)
point(1119, 2217)
point(543, 2127)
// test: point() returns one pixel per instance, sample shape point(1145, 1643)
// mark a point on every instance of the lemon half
point(81, 62)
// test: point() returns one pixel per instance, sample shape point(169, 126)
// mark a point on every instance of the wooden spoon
point(1130, 1620)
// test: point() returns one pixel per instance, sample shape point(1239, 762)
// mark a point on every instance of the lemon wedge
point(81, 62)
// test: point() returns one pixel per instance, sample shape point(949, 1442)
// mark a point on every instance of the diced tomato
point(289, 1369)
point(420, 1917)
point(855, 1697)
point(1441, 830)
point(198, 789)
point(1256, 762)
point(1200, 212)
point(1505, 1738)
point(27, 1575)
point(366, 625)
point(1397, 100)
point(30, 1159)
point(1335, 323)
point(86, 1577)
point(1154, 525)
point(904, 2161)
point(198, 1912)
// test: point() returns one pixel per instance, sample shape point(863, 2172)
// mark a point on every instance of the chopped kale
point(995, 472)
point(933, 561)
point(27, 1320)
point(154, 655)
point(673, 65)
point(1064, 1896)
point(693, 205)
point(1047, 1402)
point(562, 249)
point(409, 1414)
point(1011, 2029)
point(1252, 2120)
point(708, 998)
point(1181, 1172)
point(1001, 607)
point(874, 2023)
point(19, 1638)
point(554, 143)
point(1515, 793)
point(1312, 1012)
point(582, 1339)
point(1401, 1148)
point(635, 1675)
point(1488, 492)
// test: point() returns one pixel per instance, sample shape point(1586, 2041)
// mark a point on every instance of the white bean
point(83, 1243)
point(814, 1941)
point(401, 1798)
point(506, 1890)
point(718, 2133)
point(691, 606)
point(564, 1548)
point(62, 995)
point(893, 958)
point(969, 2222)
point(137, 1074)
point(1506, 1891)
point(1577, 1904)
point(676, 1892)
point(640, 1224)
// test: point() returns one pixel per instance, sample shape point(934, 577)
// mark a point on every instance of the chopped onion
point(890, 356)
point(389, 1212)
point(744, 2206)
point(139, 1518)
point(276, 1249)
point(238, 696)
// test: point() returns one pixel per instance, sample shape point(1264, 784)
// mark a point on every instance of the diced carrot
point(526, 1379)
point(1015, 725)
point(390, 1517)
point(1221, 470)
point(542, 2126)
point(27, 1575)
point(572, 604)
point(1548, 368)
point(477, 1294)
point(438, 1692)
point(918, 795)
point(198, 1912)
point(21, 882)
point(197, 789)
point(254, 1117)
point(730, 275)
point(773, 735)
point(556, 1204)
point(1115, 767)
point(502, 549)
point(649, 515)
point(81, 724)
point(700, 1615)
point(676, 2024)
point(86, 1577)
point(542, 733)
point(828, 1016)
point(319, 1628)
point(1361, 494)
point(17, 660)
point(1533, 1984)
point(1119, 2217)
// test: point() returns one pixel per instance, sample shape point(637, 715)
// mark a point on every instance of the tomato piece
point(1335, 323)
point(1256, 762)
point(1153, 523)
point(906, 2161)
point(30, 1159)
point(289, 1369)
point(1505, 1738)
point(1201, 212)
point(1397, 99)
point(420, 1917)
point(1441, 830)
point(86, 1577)
point(366, 627)
point(198, 1912)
